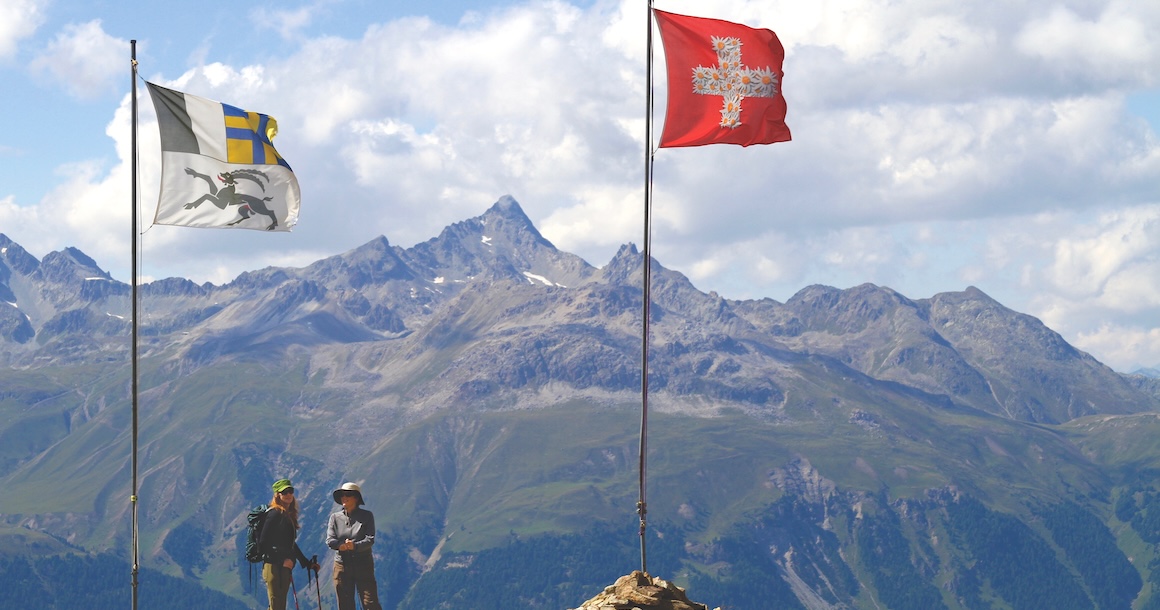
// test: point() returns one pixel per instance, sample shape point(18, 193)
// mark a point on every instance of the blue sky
point(1009, 146)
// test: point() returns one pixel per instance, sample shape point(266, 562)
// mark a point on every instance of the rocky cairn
point(639, 591)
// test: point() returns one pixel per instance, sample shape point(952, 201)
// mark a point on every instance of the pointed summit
point(625, 266)
point(507, 205)
point(502, 240)
point(507, 217)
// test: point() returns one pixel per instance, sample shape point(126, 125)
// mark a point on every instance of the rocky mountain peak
point(508, 208)
point(845, 311)
point(625, 266)
point(500, 243)
point(69, 264)
point(15, 258)
point(467, 248)
point(372, 263)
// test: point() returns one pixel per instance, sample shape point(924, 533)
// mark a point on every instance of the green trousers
point(278, 580)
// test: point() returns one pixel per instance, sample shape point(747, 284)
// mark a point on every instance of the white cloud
point(89, 207)
point(1120, 44)
point(39, 229)
point(84, 60)
point(597, 218)
point(19, 19)
point(1125, 349)
point(288, 23)
point(1085, 264)
point(12, 215)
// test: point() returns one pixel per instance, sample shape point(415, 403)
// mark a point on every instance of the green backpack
point(254, 522)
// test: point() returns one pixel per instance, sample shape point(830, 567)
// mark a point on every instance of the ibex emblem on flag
point(228, 194)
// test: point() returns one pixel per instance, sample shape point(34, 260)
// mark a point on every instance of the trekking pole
point(294, 589)
point(317, 581)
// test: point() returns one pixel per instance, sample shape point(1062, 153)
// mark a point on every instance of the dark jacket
point(277, 539)
point(358, 526)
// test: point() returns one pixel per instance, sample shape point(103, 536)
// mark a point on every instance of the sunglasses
point(289, 491)
point(348, 494)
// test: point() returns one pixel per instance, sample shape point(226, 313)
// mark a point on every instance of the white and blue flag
point(219, 168)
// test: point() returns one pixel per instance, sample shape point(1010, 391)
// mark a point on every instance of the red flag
point(724, 83)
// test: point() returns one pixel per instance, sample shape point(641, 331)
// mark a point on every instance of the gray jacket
point(358, 526)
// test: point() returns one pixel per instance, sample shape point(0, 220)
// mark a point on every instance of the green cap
point(282, 484)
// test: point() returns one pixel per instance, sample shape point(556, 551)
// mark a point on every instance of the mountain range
point(848, 448)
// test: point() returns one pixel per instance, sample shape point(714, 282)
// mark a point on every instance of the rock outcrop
point(639, 591)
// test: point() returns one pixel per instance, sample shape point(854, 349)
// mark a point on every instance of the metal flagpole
point(133, 374)
point(646, 296)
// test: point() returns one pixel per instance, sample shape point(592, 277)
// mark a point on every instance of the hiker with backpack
point(351, 533)
point(276, 541)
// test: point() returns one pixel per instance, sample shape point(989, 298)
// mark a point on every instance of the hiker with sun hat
point(351, 533)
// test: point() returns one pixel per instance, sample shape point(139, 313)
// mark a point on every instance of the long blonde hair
point(289, 509)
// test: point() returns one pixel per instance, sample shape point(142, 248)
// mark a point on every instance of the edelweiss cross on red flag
point(724, 83)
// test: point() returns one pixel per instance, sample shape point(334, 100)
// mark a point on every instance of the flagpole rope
point(646, 293)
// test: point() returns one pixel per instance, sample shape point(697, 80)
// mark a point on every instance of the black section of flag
point(173, 120)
